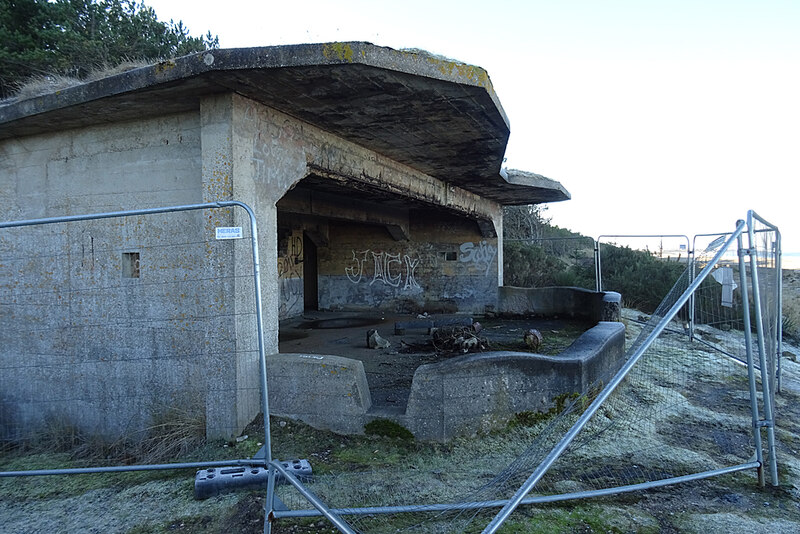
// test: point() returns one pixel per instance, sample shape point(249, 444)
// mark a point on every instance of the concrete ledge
point(327, 392)
point(457, 397)
point(479, 392)
point(552, 301)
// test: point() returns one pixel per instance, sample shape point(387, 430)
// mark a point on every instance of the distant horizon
point(793, 262)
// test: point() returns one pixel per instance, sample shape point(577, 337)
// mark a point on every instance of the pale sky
point(671, 117)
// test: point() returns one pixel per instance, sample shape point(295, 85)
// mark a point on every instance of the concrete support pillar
point(612, 306)
point(498, 225)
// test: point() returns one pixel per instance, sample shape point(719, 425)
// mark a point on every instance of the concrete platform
point(343, 384)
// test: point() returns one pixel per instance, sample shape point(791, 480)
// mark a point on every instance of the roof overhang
point(438, 116)
point(522, 187)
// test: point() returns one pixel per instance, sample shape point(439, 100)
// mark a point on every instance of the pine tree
point(75, 37)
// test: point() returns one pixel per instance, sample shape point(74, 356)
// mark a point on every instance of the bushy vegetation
point(551, 256)
point(642, 279)
point(526, 265)
point(72, 38)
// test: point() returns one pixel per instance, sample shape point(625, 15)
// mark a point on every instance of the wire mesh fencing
point(174, 305)
point(132, 336)
point(547, 262)
point(642, 268)
point(682, 408)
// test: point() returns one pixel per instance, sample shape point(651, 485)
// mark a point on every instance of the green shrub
point(526, 265)
point(642, 279)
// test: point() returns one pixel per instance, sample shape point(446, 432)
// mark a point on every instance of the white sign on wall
point(229, 232)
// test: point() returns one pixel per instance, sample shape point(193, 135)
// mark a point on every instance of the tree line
point(40, 38)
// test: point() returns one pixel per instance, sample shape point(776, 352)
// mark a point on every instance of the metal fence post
point(598, 273)
point(597, 282)
point(692, 299)
point(751, 372)
point(766, 379)
point(262, 358)
point(562, 445)
point(779, 306)
point(269, 505)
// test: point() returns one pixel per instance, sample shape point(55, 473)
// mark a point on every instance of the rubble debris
point(459, 339)
point(533, 339)
point(375, 341)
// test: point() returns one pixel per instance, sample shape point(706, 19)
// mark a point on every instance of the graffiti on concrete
point(291, 302)
point(411, 283)
point(387, 269)
point(481, 255)
point(356, 272)
point(291, 265)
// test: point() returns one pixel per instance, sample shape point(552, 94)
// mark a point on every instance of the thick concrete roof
point(436, 115)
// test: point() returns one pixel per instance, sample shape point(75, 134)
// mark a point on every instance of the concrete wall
point(290, 273)
point(560, 301)
point(269, 153)
point(442, 263)
point(81, 342)
point(480, 392)
point(444, 266)
point(457, 397)
point(328, 392)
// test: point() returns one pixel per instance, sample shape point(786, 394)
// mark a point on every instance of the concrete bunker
point(375, 175)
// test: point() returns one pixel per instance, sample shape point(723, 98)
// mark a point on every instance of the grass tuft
point(389, 429)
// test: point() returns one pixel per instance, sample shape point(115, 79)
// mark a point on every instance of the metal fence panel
point(131, 331)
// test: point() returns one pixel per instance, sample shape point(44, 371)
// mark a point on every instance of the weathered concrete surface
point(80, 343)
point(445, 267)
point(480, 392)
point(518, 180)
point(612, 306)
point(557, 301)
point(234, 148)
point(456, 397)
point(439, 116)
point(329, 392)
point(445, 260)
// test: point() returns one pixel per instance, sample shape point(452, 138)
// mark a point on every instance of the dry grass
point(791, 303)
point(174, 433)
point(50, 83)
